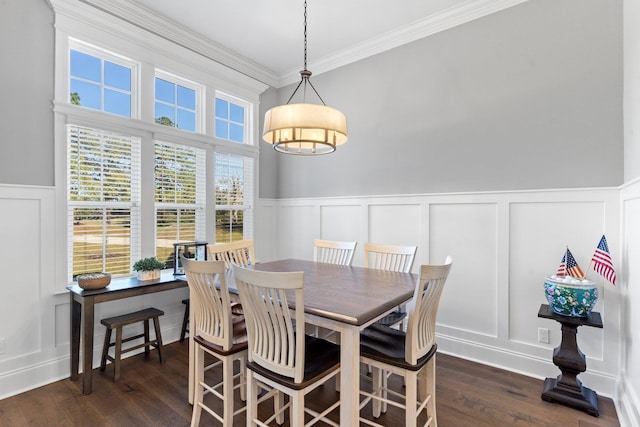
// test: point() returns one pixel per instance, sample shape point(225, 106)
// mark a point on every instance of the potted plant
point(148, 268)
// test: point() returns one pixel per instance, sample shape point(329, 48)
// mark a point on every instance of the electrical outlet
point(543, 335)
point(1, 345)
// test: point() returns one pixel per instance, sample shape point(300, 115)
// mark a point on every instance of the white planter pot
point(149, 275)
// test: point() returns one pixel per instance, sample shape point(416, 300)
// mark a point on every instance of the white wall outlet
point(1, 345)
point(543, 335)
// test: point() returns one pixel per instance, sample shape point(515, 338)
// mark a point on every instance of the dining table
point(344, 299)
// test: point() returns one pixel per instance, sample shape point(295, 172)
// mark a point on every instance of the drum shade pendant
point(305, 129)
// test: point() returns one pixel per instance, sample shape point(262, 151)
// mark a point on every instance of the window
point(175, 104)
point(103, 195)
point(114, 151)
point(234, 195)
point(99, 84)
point(179, 197)
point(230, 120)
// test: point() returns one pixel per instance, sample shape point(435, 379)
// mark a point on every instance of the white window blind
point(234, 189)
point(103, 200)
point(180, 191)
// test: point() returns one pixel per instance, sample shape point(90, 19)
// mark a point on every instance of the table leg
point(87, 348)
point(350, 376)
point(76, 314)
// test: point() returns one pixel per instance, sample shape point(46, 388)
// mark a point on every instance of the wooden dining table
point(347, 300)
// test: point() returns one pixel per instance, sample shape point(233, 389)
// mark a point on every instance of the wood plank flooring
point(151, 394)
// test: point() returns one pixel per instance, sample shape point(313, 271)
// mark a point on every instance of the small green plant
point(148, 264)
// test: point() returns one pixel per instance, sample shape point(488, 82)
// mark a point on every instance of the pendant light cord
point(305, 74)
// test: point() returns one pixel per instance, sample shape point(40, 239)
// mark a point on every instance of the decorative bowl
point(569, 296)
point(94, 280)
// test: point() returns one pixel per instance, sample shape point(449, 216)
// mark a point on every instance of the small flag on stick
point(602, 261)
point(573, 269)
point(562, 268)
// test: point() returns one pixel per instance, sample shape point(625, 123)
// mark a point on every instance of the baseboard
point(532, 366)
point(48, 371)
point(627, 405)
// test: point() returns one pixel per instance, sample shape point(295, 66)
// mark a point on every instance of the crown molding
point(433, 24)
point(148, 20)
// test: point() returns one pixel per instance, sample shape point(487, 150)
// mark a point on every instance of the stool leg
point(146, 338)
point(118, 354)
point(105, 349)
point(156, 325)
point(185, 321)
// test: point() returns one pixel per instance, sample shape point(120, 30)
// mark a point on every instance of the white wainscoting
point(503, 245)
point(34, 312)
point(629, 282)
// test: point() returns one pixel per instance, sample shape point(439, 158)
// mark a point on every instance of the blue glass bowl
point(568, 297)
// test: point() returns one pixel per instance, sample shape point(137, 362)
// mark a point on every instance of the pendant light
point(305, 129)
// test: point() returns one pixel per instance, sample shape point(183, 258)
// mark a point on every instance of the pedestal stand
point(567, 388)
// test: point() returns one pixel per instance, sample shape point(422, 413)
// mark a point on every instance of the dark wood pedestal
point(567, 388)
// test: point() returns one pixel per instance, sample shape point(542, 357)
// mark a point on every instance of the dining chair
point(333, 252)
point(410, 354)
point(390, 258)
point(240, 252)
point(281, 355)
point(219, 333)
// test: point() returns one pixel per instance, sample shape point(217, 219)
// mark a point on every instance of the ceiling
point(269, 34)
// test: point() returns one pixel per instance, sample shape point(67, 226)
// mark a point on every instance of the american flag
point(602, 261)
point(562, 268)
point(573, 269)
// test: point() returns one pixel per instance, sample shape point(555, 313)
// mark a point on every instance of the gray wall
point(527, 98)
point(27, 75)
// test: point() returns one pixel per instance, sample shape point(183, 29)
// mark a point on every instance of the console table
point(83, 308)
point(567, 388)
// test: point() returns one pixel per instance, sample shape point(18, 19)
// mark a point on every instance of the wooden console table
point(567, 388)
point(82, 313)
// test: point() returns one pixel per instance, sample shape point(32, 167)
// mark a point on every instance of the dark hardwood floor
point(151, 394)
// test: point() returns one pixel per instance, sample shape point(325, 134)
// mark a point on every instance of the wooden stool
point(117, 322)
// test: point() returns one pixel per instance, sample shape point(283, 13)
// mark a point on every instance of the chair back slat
point(423, 309)
point(332, 252)
point(389, 258)
point(210, 302)
point(275, 342)
point(241, 253)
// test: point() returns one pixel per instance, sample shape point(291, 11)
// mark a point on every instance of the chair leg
point(278, 403)
point(376, 384)
point(118, 354)
point(227, 392)
point(252, 399)
point(105, 349)
point(156, 326)
point(430, 382)
point(411, 397)
point(243, 379)
point(198, 360)
point(297, 409)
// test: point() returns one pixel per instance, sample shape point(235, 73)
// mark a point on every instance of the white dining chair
point(390, 258)
point(410, 354)
point(333, 252)
point(219, 333)
point(241, 252)
point(281, 355)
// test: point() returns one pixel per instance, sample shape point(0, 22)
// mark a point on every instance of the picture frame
point(192, 250)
